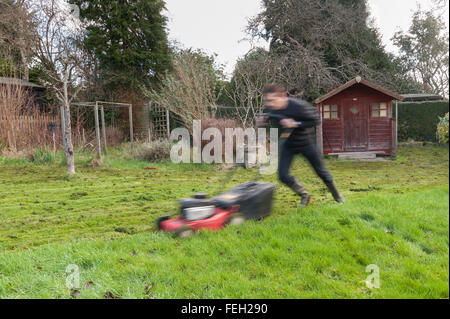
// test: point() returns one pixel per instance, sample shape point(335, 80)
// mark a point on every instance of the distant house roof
point(20, 82)
point(422, 97)
point(358, 80)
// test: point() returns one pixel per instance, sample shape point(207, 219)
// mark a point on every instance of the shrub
point(114, 136)
point(442, 129)
point(42, 156)
point(221, 124)
point(417, 121)
point(155, 151)
point(22, 126)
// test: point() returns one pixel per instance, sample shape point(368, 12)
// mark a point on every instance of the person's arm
point(306, 115)
point(262, 120)
point(307, 124)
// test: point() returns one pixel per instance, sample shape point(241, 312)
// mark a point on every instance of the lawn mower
point(251, 200)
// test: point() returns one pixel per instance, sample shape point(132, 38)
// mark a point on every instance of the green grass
point(102, 220)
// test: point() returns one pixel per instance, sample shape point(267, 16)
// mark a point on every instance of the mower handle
point(278, 117)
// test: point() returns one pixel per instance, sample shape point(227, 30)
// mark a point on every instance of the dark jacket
point(304, 112)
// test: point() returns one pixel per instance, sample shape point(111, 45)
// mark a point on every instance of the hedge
point(418, 121)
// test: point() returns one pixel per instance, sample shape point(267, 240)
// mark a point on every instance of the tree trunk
point(26, 73)
point(68, 150)
point(63, 125)
point(67, 134)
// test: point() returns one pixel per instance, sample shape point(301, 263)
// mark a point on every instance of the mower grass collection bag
point(253, 198)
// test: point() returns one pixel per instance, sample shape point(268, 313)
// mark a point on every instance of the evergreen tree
point(128, 38)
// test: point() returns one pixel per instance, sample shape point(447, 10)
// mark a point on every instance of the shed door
point(355, 126)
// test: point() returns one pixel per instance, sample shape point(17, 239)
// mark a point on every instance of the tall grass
point(25, 131)
point(43, 155)
point(22, 126)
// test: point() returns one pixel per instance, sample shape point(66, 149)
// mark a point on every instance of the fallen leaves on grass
point(88, 284)
point(129, 231)
point(109, 295)
point(390, 232)
point(148, 291)
point(78, 195)
point(95, 163)
point(368, 189)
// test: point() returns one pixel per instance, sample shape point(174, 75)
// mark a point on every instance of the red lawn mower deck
point(252, 200)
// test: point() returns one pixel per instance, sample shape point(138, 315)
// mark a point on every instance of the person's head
point(275, 96)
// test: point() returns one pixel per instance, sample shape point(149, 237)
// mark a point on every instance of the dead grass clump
point(22, 125)
point(154, 151)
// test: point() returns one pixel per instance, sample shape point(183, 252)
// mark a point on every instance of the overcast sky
point(218, 26)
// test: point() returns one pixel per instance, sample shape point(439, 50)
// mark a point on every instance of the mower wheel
point(236, 219)
point(160, 220)
point(184, 232)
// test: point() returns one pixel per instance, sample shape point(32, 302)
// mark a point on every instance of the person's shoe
point(334, 191)
point(306, 199)
point(300, 190)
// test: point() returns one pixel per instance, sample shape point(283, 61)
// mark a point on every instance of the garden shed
point(357, 119)
point(37, 91)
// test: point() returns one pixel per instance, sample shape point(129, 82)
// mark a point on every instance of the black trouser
point(309, 151)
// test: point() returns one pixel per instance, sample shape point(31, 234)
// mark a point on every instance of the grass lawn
point(103, 221)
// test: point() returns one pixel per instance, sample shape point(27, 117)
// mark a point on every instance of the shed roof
point(359, 80)
point(14, 81)
point(422, 97)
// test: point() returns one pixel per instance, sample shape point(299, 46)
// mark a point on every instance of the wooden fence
point(22, 132)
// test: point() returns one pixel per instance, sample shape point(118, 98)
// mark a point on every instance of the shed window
point(379, 110)
point(330, 112)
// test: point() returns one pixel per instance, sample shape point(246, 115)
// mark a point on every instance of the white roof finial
point(358, 79)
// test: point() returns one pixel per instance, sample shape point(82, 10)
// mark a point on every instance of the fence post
point(130, 112)
point(103, 128)
point(150, 129)
point(168, 123)
point(395, 142)
point(97, 131)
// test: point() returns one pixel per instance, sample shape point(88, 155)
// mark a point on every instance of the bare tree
point(424, 51)
point(296, 68)
point(189, 90)
point(64, 61)
point(250, 76)
point(17, 34)
point(440, 4)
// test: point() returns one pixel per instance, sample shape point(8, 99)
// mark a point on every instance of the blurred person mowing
point(302, 117)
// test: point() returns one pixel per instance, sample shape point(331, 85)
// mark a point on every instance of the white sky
point(393, 15)
point(218, 26)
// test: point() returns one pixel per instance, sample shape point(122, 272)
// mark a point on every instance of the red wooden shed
point(357, 118)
